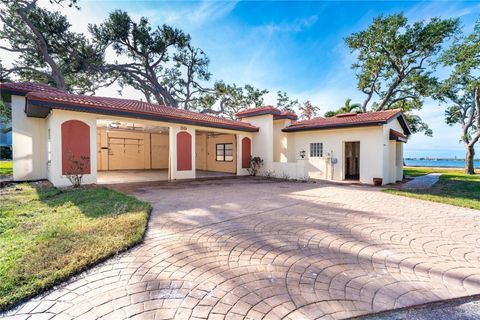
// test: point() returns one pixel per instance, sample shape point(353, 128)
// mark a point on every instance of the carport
point(58, 135)
point(130, 151)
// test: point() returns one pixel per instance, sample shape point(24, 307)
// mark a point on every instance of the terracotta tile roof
point(132, 108)
point(348, 120)
point(22, 88)
point(257, 111)
point(47, 96)
point(397, 136)
point(286, 115)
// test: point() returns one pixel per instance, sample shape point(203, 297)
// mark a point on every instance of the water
point(450, 163)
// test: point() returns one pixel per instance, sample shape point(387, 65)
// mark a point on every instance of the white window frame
point(316, 150)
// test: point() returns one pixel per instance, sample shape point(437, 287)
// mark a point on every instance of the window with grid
point(224, 152)
point(316, 149)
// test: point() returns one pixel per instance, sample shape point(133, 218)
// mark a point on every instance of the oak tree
point(461, 90)
point(45, 48)
point(393, 57)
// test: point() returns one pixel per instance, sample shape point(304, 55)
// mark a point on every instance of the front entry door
point(352, 160)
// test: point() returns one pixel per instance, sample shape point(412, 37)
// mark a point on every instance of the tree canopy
point(308, 110)
point(285, 103)
point(231, 98)
point(145, 54)
point(392, 61)
point(461, 90)
point(45, 48)
point(348, 107)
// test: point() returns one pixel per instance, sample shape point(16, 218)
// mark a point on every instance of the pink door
point(184, 151)
point(246, 152)
point(75, 147)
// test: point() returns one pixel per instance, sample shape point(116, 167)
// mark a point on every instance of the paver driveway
point(244, 248)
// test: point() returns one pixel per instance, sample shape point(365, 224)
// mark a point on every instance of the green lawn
point(421, 171)
point(48, 234)
point(6, 168)
point(454, 187)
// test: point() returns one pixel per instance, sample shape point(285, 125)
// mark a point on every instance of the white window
point(316, 149)
point(224, 152)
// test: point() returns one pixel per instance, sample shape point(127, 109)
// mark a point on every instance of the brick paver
point(256, 249)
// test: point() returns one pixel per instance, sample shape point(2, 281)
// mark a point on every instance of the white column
point(175, 174)
point(28, 143)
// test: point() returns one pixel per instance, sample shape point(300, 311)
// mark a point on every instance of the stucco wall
point(205, 150)
point(54, 123)
point(291, 170)
point(371, 151)
point(262, 141)
point(212, 163)
point(29, 143)
point(280, 146)
point(393, 168)
point(201, 150)
point(173, 172)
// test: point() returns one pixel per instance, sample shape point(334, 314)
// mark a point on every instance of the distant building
point(5, 138)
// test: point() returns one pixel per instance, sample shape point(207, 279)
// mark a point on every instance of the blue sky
point(295, 47)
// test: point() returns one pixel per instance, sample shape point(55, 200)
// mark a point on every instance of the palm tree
point(348, 107)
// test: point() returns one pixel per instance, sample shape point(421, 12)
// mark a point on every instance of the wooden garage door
point(159, 145)
point(126, 151)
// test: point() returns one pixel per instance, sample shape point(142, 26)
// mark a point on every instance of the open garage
point(131, 151)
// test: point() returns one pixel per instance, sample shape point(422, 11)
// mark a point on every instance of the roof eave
point(14, 92)
point(336, 126)
point(258, 113)
point(404, 124)
point(89, 109)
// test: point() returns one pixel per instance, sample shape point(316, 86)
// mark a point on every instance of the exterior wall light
point(302, 154)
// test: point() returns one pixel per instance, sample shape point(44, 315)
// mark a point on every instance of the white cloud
point(297, 25)
point(189, 15)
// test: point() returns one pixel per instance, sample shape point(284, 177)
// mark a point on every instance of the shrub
point(5, 153)
point(76, 169)
point(255, 164)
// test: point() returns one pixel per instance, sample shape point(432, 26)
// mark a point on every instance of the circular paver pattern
point(257, 249)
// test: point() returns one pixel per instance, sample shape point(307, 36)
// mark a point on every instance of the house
point(54, 131)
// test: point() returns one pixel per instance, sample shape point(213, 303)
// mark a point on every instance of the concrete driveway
point(244, 248)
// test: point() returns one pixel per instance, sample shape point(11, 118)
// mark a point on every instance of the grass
point(454, 187)
point(48, 234)
point(421, 171)
point(6, 168)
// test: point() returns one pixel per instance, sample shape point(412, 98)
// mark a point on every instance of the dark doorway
point(352, 160)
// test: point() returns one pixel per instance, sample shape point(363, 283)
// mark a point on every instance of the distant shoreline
point(438, 163)
point(451, 168)
point(437, 159)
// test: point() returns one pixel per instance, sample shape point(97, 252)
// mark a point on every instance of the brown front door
point(352, 160)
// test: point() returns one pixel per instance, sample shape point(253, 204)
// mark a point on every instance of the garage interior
point(129, 152)
point(215, 153)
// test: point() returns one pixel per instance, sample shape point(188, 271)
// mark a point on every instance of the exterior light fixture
point(302, 154)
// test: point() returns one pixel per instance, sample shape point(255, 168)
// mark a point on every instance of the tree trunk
point(469, 158)
point(57, 75)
